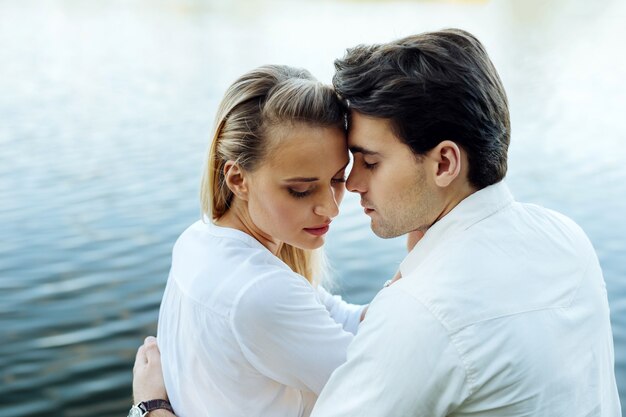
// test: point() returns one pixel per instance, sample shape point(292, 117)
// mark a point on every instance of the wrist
point(159, 413)
point(152, 408)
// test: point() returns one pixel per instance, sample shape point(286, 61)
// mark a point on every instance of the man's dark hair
point(433, 87)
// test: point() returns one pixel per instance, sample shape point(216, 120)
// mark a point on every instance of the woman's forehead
point(305, 148)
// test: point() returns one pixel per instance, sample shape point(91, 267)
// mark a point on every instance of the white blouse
point(241, 334)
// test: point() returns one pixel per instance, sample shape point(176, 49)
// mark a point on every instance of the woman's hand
point(148, 381)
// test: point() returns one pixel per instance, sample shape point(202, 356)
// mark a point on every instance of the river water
point(105, 114)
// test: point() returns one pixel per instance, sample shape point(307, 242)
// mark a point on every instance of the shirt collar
point(474, 208)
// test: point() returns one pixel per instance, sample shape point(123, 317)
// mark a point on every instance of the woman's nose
point(329, 205)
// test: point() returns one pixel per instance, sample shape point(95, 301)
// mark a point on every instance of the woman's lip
point(317, 231)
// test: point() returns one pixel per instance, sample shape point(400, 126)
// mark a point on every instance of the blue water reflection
point(105, 113)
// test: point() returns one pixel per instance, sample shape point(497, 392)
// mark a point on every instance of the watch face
point(135, 412)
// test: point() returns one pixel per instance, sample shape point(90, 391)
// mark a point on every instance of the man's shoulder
point(520, 228)
point(544, 212)
point(550, 229)
point(521, 260)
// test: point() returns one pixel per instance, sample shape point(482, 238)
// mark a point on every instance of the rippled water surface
point(105, 112)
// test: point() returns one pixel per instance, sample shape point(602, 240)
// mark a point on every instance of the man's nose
point(355, 182)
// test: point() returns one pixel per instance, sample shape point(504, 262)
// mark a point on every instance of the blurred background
point(106, 108)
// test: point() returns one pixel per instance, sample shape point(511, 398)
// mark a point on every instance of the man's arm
point(402, 363)
point(148, 381)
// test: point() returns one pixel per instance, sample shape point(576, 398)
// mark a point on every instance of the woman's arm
point(346, 314)
point(148, 383)
point(282, 330)
point(286, 334)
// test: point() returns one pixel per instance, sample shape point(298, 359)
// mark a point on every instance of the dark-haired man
point(502, 308)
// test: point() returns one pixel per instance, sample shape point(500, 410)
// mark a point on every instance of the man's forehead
point(368, 131)
point(354, 140)
point(369, 142)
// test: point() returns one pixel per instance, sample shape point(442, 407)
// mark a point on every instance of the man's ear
point(235, 179)
point(447, 156)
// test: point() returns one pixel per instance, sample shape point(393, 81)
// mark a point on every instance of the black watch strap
point(147, 406)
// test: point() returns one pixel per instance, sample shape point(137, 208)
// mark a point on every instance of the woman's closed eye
point(299, 193)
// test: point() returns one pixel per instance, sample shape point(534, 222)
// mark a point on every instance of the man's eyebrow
point(358, 149)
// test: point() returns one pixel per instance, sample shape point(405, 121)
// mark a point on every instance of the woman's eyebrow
point(312, 179)
point(302, 179)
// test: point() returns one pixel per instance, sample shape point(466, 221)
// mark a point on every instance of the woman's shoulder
point(204, 232)
point(204, 243)
point(222, 266)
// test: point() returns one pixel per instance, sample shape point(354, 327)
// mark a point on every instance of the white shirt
point(241, 334)
point(502, 311)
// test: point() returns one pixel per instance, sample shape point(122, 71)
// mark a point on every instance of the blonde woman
point(244, 328)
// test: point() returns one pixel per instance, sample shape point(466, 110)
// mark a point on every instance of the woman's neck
point(238, 217)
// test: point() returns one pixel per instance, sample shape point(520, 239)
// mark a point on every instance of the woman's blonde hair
point(266, 97)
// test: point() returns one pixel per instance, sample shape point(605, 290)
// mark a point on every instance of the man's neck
point(454, 197)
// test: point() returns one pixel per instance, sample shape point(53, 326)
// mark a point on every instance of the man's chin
point(383, 232)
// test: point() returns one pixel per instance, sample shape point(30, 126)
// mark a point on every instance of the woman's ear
point(235, 179)
point(447, 155)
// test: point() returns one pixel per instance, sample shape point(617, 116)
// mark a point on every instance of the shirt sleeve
point(401, 363)
point(287, 334)
point(346, 314)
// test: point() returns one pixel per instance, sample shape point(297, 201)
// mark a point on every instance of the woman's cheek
point(289, 210)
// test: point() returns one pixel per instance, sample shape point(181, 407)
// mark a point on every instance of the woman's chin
point(312, 243)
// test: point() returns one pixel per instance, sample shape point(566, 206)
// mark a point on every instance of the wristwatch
point(144, 407)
